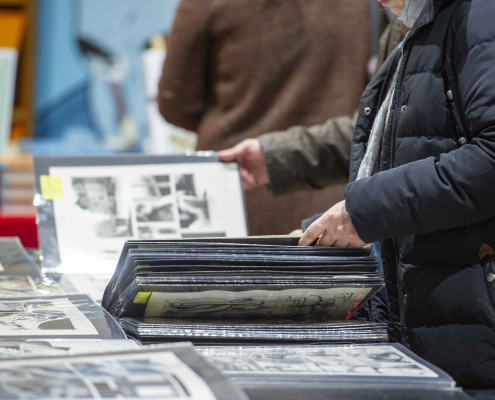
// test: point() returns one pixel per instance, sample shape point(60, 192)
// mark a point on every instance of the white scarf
point(411, 11)
point(408, 15)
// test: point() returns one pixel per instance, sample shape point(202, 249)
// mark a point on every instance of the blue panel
point(76, 92)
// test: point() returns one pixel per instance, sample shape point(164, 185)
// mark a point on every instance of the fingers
point(341, 242)
point(326, 240)
point(248, 181)
point(316, 229)
point(239, 151)
point(229, 155)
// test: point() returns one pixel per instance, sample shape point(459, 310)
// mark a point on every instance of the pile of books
point(251, 290)
point(17, 186)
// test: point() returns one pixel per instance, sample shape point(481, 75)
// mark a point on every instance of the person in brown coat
point(236, 69)
point(304, 157)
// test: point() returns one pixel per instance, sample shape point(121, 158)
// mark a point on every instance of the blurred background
point(81, 77)
point(78, 77)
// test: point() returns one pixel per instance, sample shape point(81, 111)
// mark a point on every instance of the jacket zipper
point(391, 165)
point(380, 99)
point(387, 79)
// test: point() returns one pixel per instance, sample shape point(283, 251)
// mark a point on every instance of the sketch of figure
point(98, 197)
point(157, 211)
point(212, 305)
point(26, 322)
point(193, 208)
point(263, 305)
point(36, 315)
point(317, 306)
point(151, 186)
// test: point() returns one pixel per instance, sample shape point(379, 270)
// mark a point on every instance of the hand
point(333, 229)
point(297, 232)
point(252, 166)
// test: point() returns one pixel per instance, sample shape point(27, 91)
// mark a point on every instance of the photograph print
point(153, 186)
point(104, 206)
point(192, 204)
point(155, 207)
point(98, 197)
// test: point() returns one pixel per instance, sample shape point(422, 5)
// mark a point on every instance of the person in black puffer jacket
point(430, 199)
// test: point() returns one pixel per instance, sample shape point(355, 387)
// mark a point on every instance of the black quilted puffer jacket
point(432, 203)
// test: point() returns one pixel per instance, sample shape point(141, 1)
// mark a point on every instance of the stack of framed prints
point(264, 289)
point(171, 372)
point(56, 317)
point(88, 207)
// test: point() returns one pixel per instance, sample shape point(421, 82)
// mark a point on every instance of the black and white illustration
point(193, 205)
point(332, 303)
point(17, 286)
point(43, 317)
point(156, 211)
point(151, 376)
point(112, 204)
point(151, 186)
point(293, 361)
point(98, 198)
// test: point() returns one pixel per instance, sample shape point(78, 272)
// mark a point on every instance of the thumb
point(229, 154)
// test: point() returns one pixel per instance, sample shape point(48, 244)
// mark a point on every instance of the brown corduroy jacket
point(239, 69)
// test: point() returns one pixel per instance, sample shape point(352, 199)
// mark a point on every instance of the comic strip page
point(316, 361)
point(334, 303)
point(102, 207)
point(43, 317)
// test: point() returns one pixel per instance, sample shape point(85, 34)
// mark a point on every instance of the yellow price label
point(51, 187)
point(142, 297)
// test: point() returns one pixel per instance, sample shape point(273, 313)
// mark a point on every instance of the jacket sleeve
point(182, 90)
point(458, 188)
point(308, 158)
